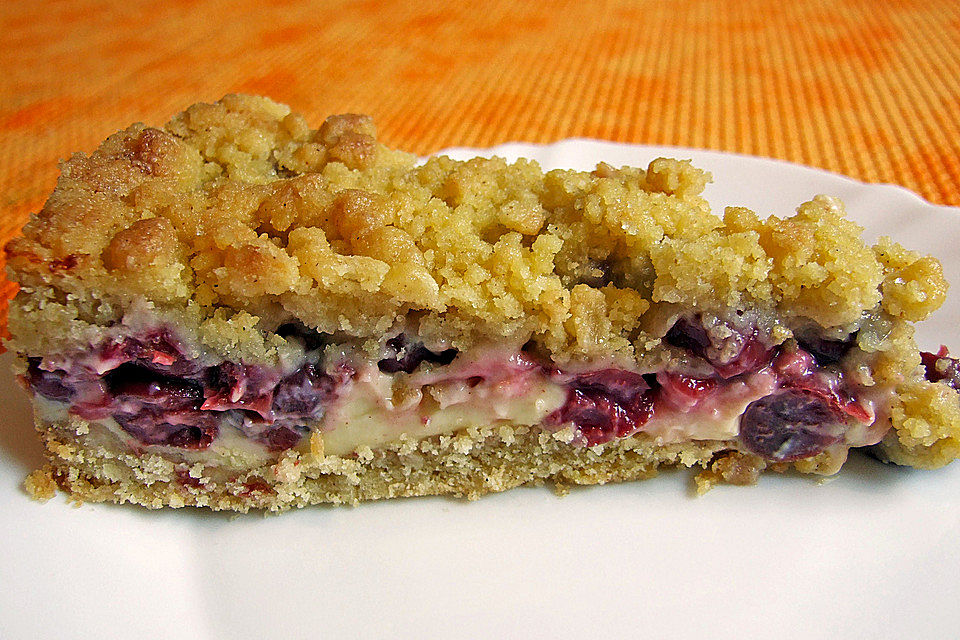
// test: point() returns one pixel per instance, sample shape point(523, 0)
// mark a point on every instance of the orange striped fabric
point(865, 88)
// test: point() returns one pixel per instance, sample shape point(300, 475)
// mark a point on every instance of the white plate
point(872, 552)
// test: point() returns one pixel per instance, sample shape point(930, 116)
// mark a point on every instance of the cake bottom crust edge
point(468, 464)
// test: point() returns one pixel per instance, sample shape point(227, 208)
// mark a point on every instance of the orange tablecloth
point(866, 88)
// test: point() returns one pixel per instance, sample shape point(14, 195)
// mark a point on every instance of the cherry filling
point(161, 397)
point(789, 425)
point(240, 386)
point(133, 385)
point(807, 413)
point(683, 392)
point(940, 367)
point(157, 350)
point(406, 356)
point(730, 350)
point(151, 427)
point(49, 384)
point(826, 351)
point(304, 392)
point(613, 403)
point(606, 404)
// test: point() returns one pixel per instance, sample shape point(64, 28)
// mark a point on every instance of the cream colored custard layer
point(380, 408)
point(491, 385)
point(231, 449)
point(487, 387)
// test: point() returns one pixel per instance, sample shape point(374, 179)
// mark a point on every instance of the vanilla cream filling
point(231, 447)
point(483, 387)
point(376, 410)
point(716, 417)
point(368, 417)
point(373, 412)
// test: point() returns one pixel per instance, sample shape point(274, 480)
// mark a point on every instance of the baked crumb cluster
point(237, 219)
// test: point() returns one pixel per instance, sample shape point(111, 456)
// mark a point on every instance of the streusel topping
point(240, 213)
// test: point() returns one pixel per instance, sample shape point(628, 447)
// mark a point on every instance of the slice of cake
point(236, 311)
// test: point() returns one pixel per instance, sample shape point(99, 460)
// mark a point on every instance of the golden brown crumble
point(239, 210)
point(730, 467)
point(40, 484)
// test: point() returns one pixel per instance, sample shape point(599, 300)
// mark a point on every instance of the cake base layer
point(469, 464)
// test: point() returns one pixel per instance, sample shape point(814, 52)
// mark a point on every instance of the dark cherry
point(281, 438)
point(683, 391)
point(231, 385)
point(149, 428)
point(948, 370)
point(623, 386)
point(275, 435)
point(606, 404)
point(826, 351)
point(788, 425)
point(312, 339)
point(409, 355)
point(598, 417)
point(132, 382)
point(752, 357)
point(689, 334)
point(304, 392)
point(191, 437)
point(157, 350)
point(49, 384)
point(751, 354)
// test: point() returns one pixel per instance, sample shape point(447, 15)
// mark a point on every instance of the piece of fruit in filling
point(940, 367)
point(790, 425)
point(803, 407)
point(159, 396)
point(605, 404)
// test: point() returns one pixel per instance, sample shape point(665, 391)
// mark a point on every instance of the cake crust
point(469, 464)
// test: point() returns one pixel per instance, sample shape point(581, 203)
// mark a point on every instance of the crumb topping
point(242, 214)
